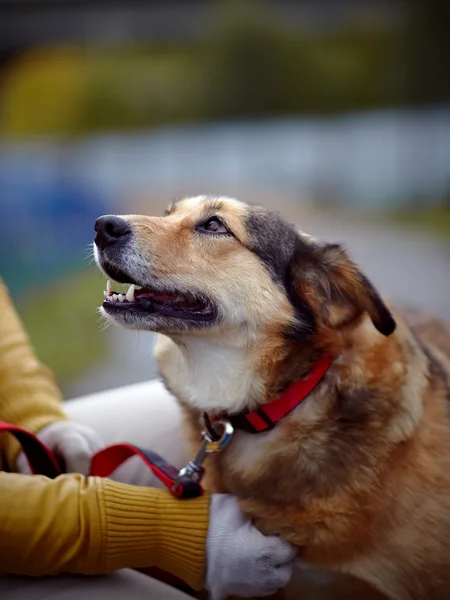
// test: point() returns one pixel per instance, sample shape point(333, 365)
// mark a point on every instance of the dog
point(340, 401)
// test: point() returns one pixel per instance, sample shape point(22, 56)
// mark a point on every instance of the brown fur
point(358, 476)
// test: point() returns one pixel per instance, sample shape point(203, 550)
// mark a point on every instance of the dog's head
point(212, 264)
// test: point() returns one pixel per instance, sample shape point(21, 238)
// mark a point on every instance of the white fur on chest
point(209, 375)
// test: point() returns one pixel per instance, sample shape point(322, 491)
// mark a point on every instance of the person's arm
point(90, 525)
point(29, 396)
point(93, 526)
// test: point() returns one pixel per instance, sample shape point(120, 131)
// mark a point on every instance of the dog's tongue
point(159, 297)
point(187, 301)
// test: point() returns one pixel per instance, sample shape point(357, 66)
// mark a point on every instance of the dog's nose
point(110, 229)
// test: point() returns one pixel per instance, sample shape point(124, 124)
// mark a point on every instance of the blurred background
point(337, 113)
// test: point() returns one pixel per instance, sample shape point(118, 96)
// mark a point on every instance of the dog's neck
point(233, 371)
point(224, 373)
point(218, 373)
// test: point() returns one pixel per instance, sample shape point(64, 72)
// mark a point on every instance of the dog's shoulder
point(433, 336)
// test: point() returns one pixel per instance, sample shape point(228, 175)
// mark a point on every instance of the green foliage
point(425, 52)
point(256, 67)
point(44, 92)
point(248, 65)
point(140, 87)
point(434, 220)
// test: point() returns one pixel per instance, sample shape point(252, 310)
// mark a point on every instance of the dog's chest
point(247, 450)
point(235, 469)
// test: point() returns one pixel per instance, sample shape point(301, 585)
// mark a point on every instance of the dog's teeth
point(130, 293)
point(115, 297)
point(121, 297)
point(108, 286)
point(105, 293)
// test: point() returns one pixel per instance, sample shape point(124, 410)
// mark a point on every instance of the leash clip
point(194, 471)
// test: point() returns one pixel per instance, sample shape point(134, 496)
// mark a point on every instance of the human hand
point(240, 560)
point(72, 444)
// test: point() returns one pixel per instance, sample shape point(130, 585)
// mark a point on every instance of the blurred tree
point(254, 65)
point(242, 59)
point(426, 51)
point(140, 87)
point(44, 93)
point(251, 64)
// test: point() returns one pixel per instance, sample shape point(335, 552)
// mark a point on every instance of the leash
point(215, 437)
point(182, 484)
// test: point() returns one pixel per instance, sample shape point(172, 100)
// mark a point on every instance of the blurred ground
point(404, 265)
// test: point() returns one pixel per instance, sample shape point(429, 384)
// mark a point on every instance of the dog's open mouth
point(169, 304)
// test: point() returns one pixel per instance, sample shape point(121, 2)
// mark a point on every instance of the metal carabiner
point(222, 428)
point(194, 469)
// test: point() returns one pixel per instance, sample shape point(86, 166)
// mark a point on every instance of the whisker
point(102, 322)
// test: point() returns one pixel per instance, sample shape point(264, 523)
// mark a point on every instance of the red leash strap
point(39, 457)
point(43, 462)
point(109, 459)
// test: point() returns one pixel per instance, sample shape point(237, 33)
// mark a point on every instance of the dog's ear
point(339, 290)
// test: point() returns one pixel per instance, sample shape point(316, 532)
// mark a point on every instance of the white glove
point(240, 560)
point(72, 444)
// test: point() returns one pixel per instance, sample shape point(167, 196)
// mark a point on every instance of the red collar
point(267, 415)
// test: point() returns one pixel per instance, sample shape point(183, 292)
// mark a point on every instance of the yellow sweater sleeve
point(29, 396)
point(74, 524)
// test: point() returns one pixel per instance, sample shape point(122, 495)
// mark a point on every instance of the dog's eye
point(213, 225)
